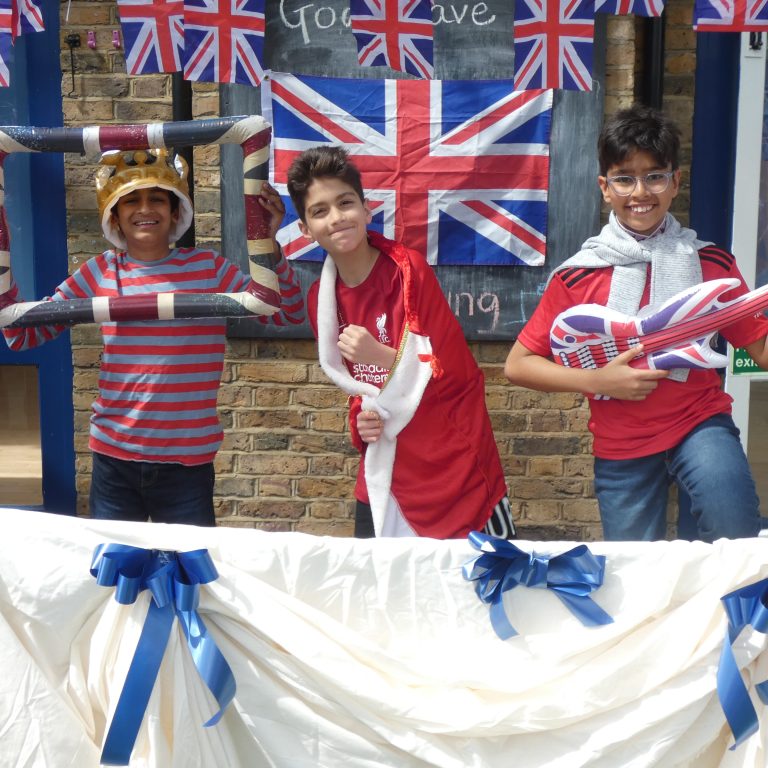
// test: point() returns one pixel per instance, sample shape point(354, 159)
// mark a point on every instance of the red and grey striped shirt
point(159, 379)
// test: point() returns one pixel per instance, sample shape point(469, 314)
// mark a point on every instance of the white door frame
point(746, 198)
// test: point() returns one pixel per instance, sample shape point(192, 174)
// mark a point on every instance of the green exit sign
point(742, 363)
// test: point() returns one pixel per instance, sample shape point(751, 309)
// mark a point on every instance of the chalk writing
point(312, 16)
point(463, 305)
point(443, 13)
point(529, 298)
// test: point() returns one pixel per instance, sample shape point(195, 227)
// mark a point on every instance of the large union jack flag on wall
point(394, 33)
point(553, 44)
point(730, 15)
point(224, 41)
point(456, 170)
point(153, 33)
point(626, 7)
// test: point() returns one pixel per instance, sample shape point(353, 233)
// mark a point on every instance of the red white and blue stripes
point(158, 380)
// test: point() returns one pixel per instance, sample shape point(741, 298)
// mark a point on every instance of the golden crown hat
point(122, 172)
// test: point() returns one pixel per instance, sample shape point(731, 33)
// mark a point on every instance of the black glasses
point(655, 182)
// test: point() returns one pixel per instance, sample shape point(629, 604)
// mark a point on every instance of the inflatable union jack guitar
point(677, 334)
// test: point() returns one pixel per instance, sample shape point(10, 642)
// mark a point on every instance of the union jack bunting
point(153, 33)
point(626, 7)
point(456, 170)
point(224, 41)
point(730, 16)
point(394, 33)
point(6, 42)
point(27, 17)
point(553, 44)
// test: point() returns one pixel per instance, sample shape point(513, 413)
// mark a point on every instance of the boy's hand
point(271, 202)
point(369, 426)
point(621, 381)
point(358, 346)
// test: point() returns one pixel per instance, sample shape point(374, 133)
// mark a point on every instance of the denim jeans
point(162, 492)
point(709, 466)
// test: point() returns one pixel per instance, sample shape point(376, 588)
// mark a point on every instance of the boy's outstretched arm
point(618, 379)
point(758, 351)
point(292, 302)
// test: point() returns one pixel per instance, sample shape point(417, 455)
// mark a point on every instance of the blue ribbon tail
point(137, 689)
point(210, 662)
point(585, 609)
point(499, 621)
point(734, 697)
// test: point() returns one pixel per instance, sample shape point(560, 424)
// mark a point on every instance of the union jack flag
point(730, 15)
point(153, 33)
point(456, 170)
point(224, 41)
point(625, 7)
point(6, 42)
point(27, 17)
point(394, 33)
point(553, 44)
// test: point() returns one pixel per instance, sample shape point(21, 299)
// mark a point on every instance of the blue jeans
point(709, 466)
point(139, 490)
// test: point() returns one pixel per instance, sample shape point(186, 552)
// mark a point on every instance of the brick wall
point(286, 462)
point(679, 78)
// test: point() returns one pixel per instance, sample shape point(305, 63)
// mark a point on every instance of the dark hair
point(638, 128)
point(319, 162)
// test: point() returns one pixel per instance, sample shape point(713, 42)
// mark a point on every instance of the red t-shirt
point(377, 305)
point(624, 429)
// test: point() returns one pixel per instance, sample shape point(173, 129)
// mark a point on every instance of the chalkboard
point(472, 40)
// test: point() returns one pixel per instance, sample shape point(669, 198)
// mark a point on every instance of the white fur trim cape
point(395, 402)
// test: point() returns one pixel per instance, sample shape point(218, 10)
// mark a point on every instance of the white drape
point(363, 654)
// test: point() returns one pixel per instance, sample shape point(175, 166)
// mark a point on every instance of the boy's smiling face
point(642, 210)
point(145, 218)
point(335, 217)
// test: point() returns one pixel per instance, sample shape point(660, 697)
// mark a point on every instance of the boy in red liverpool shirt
point(656, 426)
point(387, 337)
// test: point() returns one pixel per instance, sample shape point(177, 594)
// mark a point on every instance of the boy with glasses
point(650, 427)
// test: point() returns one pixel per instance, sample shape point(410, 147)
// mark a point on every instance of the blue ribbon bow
point(174, 580)
point(745, 606)
point(572, 576)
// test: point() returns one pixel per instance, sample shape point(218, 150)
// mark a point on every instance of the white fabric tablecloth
point(371, 653)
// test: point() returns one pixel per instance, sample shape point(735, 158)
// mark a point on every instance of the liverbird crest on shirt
point(381, 325)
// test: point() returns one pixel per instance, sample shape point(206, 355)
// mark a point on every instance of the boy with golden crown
point(154, 429)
